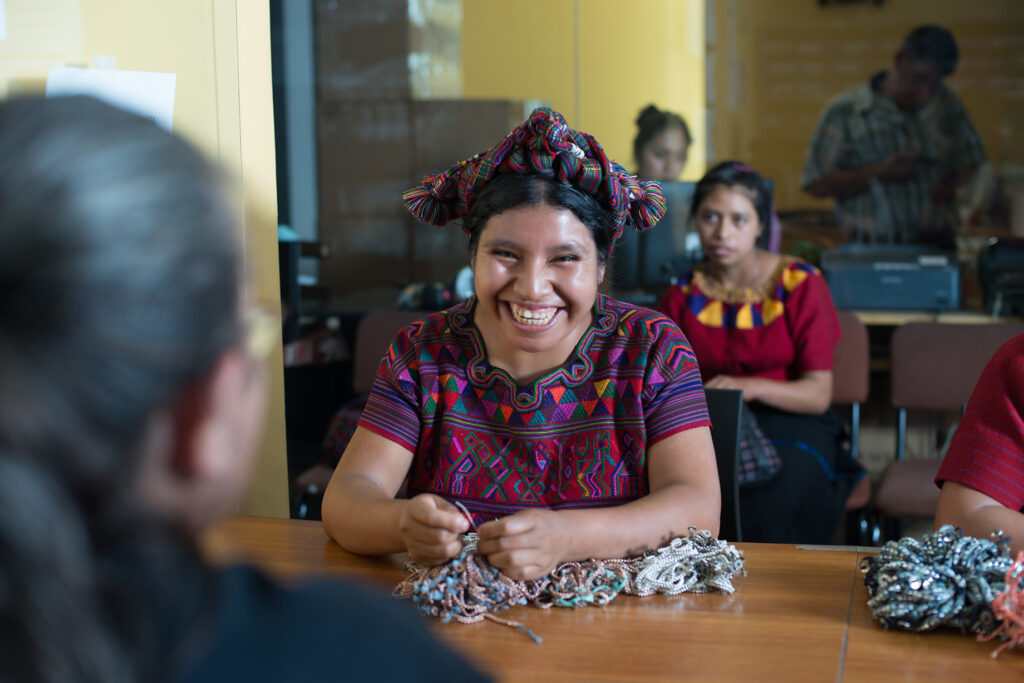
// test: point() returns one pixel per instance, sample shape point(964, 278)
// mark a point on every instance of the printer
point(888, 277)
point(1001, 272)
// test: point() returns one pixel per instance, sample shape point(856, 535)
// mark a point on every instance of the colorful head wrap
point(545, 145)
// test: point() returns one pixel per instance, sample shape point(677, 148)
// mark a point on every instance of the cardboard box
point(366, 252)
point(438, 253)
point(376, 49)
point(445, 132)
point(365, 151)
point(370, 153)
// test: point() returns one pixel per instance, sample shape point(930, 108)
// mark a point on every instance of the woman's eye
point(567, 258)
point(501, 253)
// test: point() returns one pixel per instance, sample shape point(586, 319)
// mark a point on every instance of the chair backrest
point(851, 370)
point(375, 331)
point(935, 366)
point(724, 406)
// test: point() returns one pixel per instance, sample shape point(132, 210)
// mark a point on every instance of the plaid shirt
point(860, 127)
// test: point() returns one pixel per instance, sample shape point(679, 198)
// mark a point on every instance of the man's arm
point(843, 183)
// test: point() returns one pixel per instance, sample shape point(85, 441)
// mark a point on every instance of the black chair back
point(724, 406)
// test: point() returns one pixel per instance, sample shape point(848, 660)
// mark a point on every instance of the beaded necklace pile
point(947, 579)
point(468, 589)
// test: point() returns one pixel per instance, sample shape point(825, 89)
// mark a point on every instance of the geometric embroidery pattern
point(745, 309)
point(576, 437)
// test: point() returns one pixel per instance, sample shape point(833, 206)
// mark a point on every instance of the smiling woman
point(568, 425)
point(537, 269)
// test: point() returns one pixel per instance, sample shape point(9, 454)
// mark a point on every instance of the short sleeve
point(814, 325)
point(969, 150)
point(393, 407)
point(673, 392)
point(987, 451)
point(826, 145)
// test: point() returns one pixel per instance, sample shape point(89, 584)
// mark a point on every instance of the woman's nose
point(532, 281)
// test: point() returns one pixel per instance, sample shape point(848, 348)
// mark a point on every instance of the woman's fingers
point(433, 511)
point(432, 529)
point(526, 545)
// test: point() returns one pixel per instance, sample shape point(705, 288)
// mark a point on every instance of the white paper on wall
point(146, 93)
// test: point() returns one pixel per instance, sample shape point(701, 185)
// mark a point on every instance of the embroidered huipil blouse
point(575, 438)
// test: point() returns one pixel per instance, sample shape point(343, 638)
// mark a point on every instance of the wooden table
point(799, 614)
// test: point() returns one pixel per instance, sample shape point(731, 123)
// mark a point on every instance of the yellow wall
point(598, 68)
point(268, 488)
point(777, 63)
point(220, 51)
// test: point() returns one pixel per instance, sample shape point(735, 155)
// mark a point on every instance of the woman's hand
point(748, 385)
point(526, 545)
point(811, 393)
point(432, 529)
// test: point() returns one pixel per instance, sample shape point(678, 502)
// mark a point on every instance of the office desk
point(799, 614)
point(883, 318)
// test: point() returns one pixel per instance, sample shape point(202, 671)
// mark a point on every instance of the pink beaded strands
point(1008, 608)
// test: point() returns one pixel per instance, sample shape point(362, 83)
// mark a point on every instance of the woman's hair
point(513, 190)
point(651, 122)
point(121, 272)
point(736, 174)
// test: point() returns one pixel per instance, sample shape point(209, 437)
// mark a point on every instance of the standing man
point(893, 151)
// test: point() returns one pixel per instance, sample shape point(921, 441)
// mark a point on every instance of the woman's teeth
point(532, 317)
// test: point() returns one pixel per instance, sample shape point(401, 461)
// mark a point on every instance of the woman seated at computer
point(661, 145)
point(765, 323)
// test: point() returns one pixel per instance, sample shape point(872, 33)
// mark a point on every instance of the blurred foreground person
point(132, 384)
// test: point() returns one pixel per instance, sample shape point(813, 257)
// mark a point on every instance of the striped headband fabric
point(544, 145)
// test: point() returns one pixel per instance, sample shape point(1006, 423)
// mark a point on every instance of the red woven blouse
point(987, 452)
point(785, 328)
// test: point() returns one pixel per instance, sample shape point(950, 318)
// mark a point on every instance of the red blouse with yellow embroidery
point(779, 331)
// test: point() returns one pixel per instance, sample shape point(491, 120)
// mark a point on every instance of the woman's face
point(728, 225)
point(536, 274)
point(664, 155)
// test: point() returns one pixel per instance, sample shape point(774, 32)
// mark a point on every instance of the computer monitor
point(649, 260)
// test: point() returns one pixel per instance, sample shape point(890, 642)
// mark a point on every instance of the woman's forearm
point(978, 514)
point(810, 394)
point(981, 522)
point(361, 517)
point(649, 522)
